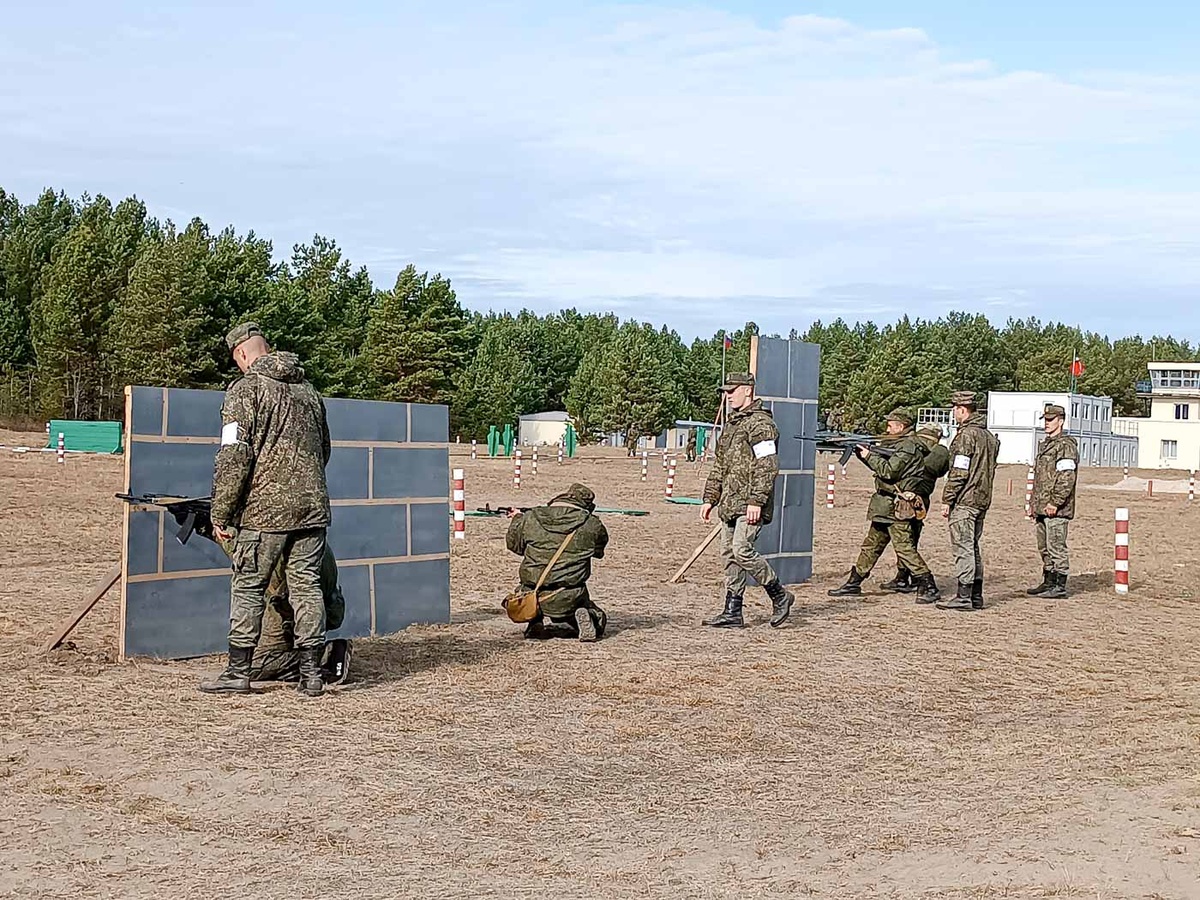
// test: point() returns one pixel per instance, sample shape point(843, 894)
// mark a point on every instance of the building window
point(1170, 449)
point(1182, 409)
point(1083, 452)
point(1104, 454)
point(1074, 410)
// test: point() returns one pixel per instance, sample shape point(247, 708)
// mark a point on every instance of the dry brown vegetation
point(871, 749)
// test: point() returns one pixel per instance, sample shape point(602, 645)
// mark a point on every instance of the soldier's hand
point(512, 513)
point(222, 533)
point(863, 451)
point(1051, 509)
point(705, 511)
point(753, 514)
point(945, 512)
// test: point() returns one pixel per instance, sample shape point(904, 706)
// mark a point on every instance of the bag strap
point(550, 565)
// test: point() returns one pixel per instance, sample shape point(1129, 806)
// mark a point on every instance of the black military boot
point(336, 664)
point(852, 587)
point(977, 594)
point(1047, 583)
point(731, 617)
point(236, 677)
point(927, 589)
point(901, 584)
point(1057, 590)
point(311, 684)
point(781, 603)
point(962, 600)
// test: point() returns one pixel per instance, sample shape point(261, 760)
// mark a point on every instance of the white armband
point(962, 462)
point(229, 434)
point(763, 449)
point(1065, 465)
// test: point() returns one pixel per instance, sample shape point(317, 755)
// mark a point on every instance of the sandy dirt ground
point(870, 749)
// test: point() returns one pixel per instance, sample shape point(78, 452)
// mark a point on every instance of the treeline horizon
point(96, 295)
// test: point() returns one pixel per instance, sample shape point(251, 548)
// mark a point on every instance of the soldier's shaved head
point(245, 353)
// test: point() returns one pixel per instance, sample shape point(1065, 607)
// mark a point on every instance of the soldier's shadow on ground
point(383, 660)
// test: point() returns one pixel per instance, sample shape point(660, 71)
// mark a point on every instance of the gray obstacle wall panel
point(175, 603)
point(787, 376)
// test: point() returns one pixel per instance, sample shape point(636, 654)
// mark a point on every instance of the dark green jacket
point(1054, 474)
point(973, 455)
point(937, 464)
point(745, 466)
point(902, 471)
point(537, 535)
point(270, 468)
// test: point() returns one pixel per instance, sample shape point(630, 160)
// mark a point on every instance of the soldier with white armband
point(1054, 476)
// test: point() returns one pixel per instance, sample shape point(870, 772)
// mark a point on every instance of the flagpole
point(724, 346)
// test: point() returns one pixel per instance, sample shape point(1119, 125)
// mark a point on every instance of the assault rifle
point(500, 511)
point(846, 443)
point(193, 515)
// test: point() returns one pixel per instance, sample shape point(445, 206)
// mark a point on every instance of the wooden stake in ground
point(67, 625)
point(712, 536)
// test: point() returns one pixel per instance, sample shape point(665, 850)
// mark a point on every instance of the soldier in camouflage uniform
point(690, 449)
point(270, 498)
point(1053, 504)
point(741, 487)
point(536, 535)
point(276, 657)
point(968, 496)
point(903, 472)
point(937, 464)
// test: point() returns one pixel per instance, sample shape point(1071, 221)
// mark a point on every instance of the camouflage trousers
point(966, 539)
point(902, 536)
point(740, 557)
point(1052, 544)
point(255, 556)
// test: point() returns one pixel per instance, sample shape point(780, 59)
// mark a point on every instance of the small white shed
point(542, 429)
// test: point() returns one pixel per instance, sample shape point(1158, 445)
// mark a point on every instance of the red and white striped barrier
point(1121, 556)
point(645, 463)
point(516, 468)
point(1127, 471)
point(1029, 494)
point(830, 485)
point(1192, 486)
point(1150, 488)
point(664, 460)
point(62, 448)
point(844, 473)
point(560, 454)
point(671, 479)
point(460, 505)
point(474, 449)
point(535, 457)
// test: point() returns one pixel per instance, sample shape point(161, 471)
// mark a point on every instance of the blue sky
point(695, 164)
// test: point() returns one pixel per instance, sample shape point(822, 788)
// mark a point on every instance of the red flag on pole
point(728, 342)
point(1077, 367)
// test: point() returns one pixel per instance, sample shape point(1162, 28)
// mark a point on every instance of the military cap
point(963, 398)
point(579, 495)
point(241, 333)
point(899, 415)
point(737, 379)
point(933, 431)
point(1054, 411)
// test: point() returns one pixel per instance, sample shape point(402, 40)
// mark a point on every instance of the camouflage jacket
point(973, 455)
point(746, 464)
point(937, 464)
point(537, 534)
point(270, 469)
point(902, 471)
point(1054, 474)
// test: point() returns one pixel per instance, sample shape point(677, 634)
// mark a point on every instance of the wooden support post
point(712, 536)
point(67, 625)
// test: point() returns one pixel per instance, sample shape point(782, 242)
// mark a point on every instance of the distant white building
point(1170, 437)
point(542, 429)
point(1013, 416)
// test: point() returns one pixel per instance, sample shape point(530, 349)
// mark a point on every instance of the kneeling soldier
point(1053, 504)
point(542, 533)
point(897, 480)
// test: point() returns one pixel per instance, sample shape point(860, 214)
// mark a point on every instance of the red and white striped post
point(830, 485)
point(1127, 471)
point(516, 468)
point(671, 479)
point(1192, 486)
point(1150, 488)
point(474, 448)
point(844, 473)
point(645, 463)
point(560, 453)
point(1121, 556)
point(62, 448)
point(535, 457)
point(1029, 494)
point(664, 459)
point(460, 505)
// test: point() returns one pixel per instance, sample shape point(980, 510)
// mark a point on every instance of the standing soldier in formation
point(891, 511)
point(741, 487)
point(690, 449)
point(1053, 504)
point(937, 464)
point(270, 499)
point(968, 496)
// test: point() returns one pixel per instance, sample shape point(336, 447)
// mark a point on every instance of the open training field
point(873, 748)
